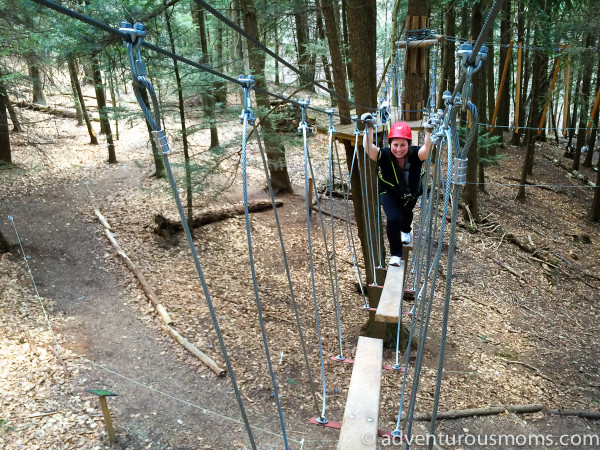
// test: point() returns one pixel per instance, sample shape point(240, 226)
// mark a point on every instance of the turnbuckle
point(303, 105)
point(330, 112)
point(247, 81)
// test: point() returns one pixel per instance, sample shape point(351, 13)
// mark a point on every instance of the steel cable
point(287, 268)
point(246, 113)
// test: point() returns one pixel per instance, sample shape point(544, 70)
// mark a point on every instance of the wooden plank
point(359, 427)
point(393, 289)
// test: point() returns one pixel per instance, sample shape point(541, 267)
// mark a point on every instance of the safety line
point(126, 37)
point(349, 233)
point(256, 42)
point(139, 82)
point(287, 268)
point(202, 409)
point(37, 294)
point(247, 115)
point(304, 126)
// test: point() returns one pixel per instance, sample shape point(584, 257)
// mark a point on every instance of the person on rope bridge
point(399, 173)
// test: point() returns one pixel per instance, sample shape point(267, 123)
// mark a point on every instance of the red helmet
point(400, 130)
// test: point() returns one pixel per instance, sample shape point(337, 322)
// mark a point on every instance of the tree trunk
point(516, 137)
point(539, 87)
point(505, 38)
point(573, 121)
point(303, 38)
point(78, 112)
point(77, 88)
point(490, 71)
point(113, 99)
point(102, 110)
point(585, 100)
point(594, 214)
point(470, 192)
point(4, 247)
point(326, 65)
point(274, 147)
point(362, 16)
point(5, 153)
point(35, 77)
point(592, 137)
point(208, 100)
point(11, 111)
point(337, 64)
point(416, 64)
point(184, 137)
point(346, 47)
point(448, 79)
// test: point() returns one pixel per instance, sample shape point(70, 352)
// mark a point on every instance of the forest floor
point(520, 336)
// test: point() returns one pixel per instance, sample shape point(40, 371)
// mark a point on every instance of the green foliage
point(485, 142)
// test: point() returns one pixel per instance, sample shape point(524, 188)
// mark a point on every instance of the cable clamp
point(330, 112)
point(303, 105)
point(459, 171)
point(160, 139)
point(247, 82)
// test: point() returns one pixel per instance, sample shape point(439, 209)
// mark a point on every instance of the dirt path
point(68, 256)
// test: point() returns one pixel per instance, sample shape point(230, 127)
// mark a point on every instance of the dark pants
point(399, 213)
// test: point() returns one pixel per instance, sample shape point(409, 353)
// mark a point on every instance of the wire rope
point(247, 114)
point(349, 233)
point(139, 81)
point(303, 126)
point(37, 293)
point(127, 37)
point(332, 274)
point(256, 42)
point(287, 268)
point(366, 203)
point(336, 298)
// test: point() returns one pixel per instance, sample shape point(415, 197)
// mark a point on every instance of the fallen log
point(166, 227)
point(335, 216)
point(207, 360)
point(68, 114)
point(162, 312)
point(487, 411)
point(595, 415)
point(160, 309)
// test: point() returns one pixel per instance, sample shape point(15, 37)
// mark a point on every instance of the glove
point(368, 119)
point(429, 126)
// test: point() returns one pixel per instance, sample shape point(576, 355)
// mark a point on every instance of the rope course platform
point(391, 296)
point(362, 404)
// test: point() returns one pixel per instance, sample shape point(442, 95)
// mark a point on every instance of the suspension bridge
point(418, 272)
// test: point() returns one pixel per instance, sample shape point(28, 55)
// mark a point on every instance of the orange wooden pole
point(518, 93)
point(567, 81)
point(543, 119)
point(502, 80)
point(594, 109)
